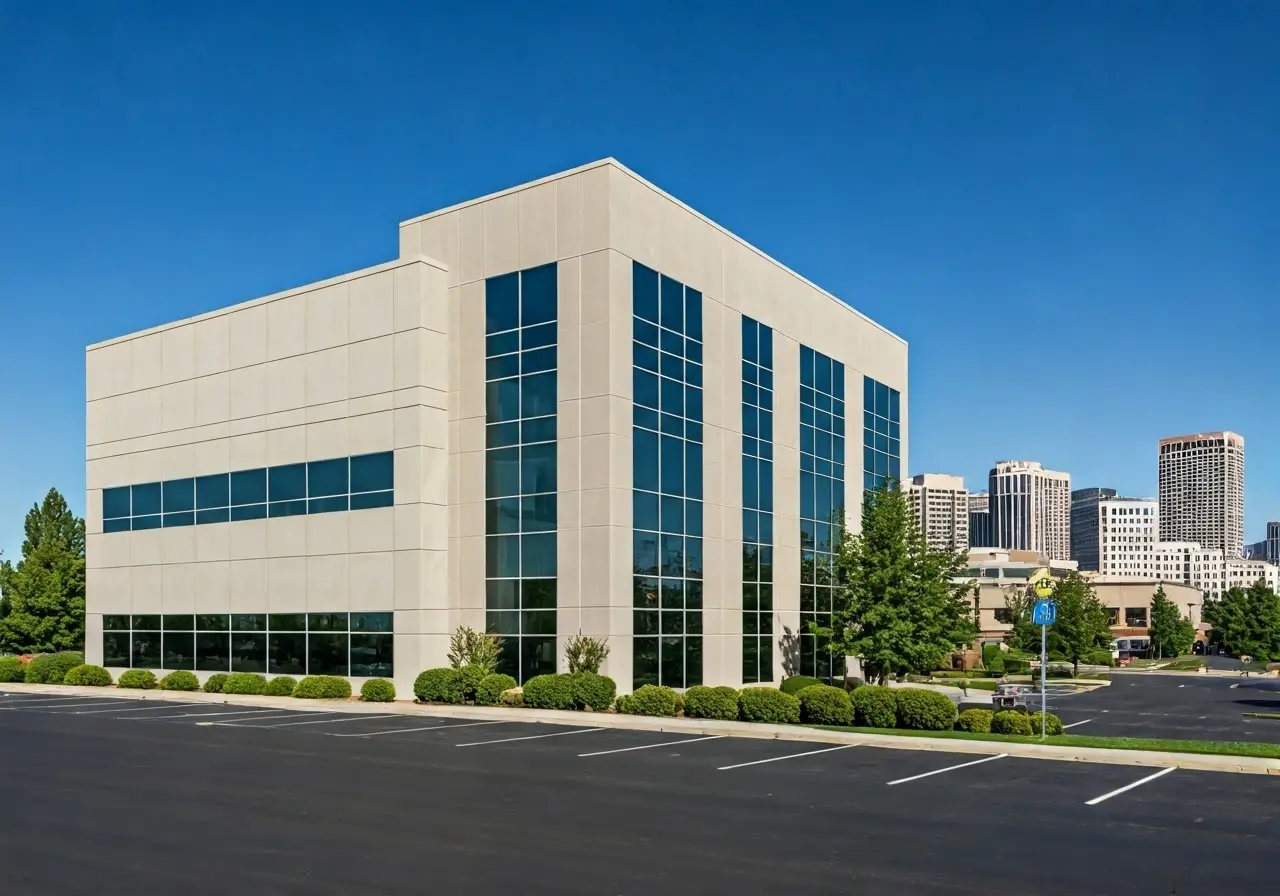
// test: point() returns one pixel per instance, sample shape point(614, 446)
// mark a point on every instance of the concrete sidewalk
point(1147, 758)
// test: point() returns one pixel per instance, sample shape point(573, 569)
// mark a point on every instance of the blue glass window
point(115, 503)
point(146, 499)
point(249, 487)
point(881, 428)
point(373, 472)
point(213, 491)
point(520, 469)
point(327, 477)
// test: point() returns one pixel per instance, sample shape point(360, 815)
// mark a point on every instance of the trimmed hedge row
point(12, 669)
point(88, 677)
point(797, 683)
point(215, 683)
point(280, 686)
point(768, 705)
point(822, 704)
point(244, 683)
point(702, 702)
point(377, 690)
point(323, 687)
point(178, 681)
point(141, 679)
point(492, 687)
point(52, 668)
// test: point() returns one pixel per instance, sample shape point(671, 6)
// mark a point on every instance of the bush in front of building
point(180, 680)
point(440, 686)
point(592, 691)
point(1099, 656)
point(377, 690)
point(471, 678)
point(702, 702)
point(975, 721)
point(822, 704)
point(768, 705)
point(492, 687)
point(549, 692)
point(244, 683)
point(88, 677)
point(215, 682)
point(921, 710)
point(797, 683)
point(12, 669)
point(650, 700)
point(323, 687)
point(1010, 722)
point(139, 679)
point(280, 686)
point(874, 707)
point(512, 697)
point(992, 658)
point(52, 668)
point(1051, 723)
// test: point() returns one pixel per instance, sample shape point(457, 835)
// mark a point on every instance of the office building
point(1202, 490)
point(1128, 530)
point(980, 520)
point(575, 405)
point(1273, 543)
point(1085, 543)
point(941, 505)
point(1030, 508)
point(1191, 564)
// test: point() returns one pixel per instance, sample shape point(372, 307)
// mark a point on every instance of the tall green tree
point(1081, 624)
point(896, 604)
point(1024, 635)
point(43, 595)
point(1171, 633)
point(1247, 621)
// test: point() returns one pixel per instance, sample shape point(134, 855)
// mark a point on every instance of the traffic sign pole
point(1044, 677)
point(1045, 613)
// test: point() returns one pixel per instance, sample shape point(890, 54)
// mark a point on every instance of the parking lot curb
point(1148, 758)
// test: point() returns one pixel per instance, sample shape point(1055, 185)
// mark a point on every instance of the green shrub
point(921, 710)
point(142, 679)
point(215, 683)
point(701, 702)
point(1052, 723)
point(1101, 656)
point(280, 686)
point(679, 702)
point(12, 669)
point(323, 687)
point(822, 704)
point(377, 690)
point(181, 680)
point(244, 683)
point(1016, 665)
point(874, 707)
point(491, 688)
point(592, 691)
point(440, 686)
point(797, 683)
point(468, 647)
point(52, 668)
point(88, 677)
point(512, 697)
point(852, 682)
point(649, 700)
point(549, 692)
point(975, 721)
point(768, 705)
point(583, 653)
point(471, 678)
point(1010, 722)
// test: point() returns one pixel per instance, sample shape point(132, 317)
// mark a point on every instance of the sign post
point(1044, 614)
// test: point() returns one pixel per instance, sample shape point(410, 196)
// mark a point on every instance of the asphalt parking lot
point(113, 795)
point(1168, 706)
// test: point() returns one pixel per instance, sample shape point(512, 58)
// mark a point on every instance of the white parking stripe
point(1138, 783)
point(511, 740)
point(949, 768)
point(725, 768)
point(411, 730)
point(349, 718)
point(242, 723)
point(48, 706)
point(193, 715)
point(155, 705)
point(1085, 722)
point(670, 743)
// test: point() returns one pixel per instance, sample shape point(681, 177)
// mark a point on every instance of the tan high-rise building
point(1030, 508)
point(1202, 490)
point(941, 505)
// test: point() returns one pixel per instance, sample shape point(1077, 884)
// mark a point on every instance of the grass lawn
point(1220, 748)
point(1262, 715)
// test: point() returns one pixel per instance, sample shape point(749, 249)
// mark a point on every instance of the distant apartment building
point(941, 505)
point(980, 521)
point(1202, 491)
point(1191, 564)
point(1084, 526)
point(1244, 573)
point(1128, 533)
point(1030, 508)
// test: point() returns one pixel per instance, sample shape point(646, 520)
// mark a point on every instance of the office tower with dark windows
point(1085, 535)
point(980, 521)
point(575, 406)
point(1030, 508)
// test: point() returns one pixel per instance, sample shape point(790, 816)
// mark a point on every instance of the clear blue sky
point(1073, 215)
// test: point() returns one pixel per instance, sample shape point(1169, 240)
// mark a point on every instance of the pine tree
point(896, 605)
point(43, 595)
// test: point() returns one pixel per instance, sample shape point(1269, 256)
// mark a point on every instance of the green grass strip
point(1153, 744)
point(1262, 715)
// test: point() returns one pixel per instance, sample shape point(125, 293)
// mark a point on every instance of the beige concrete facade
point(393, 357)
